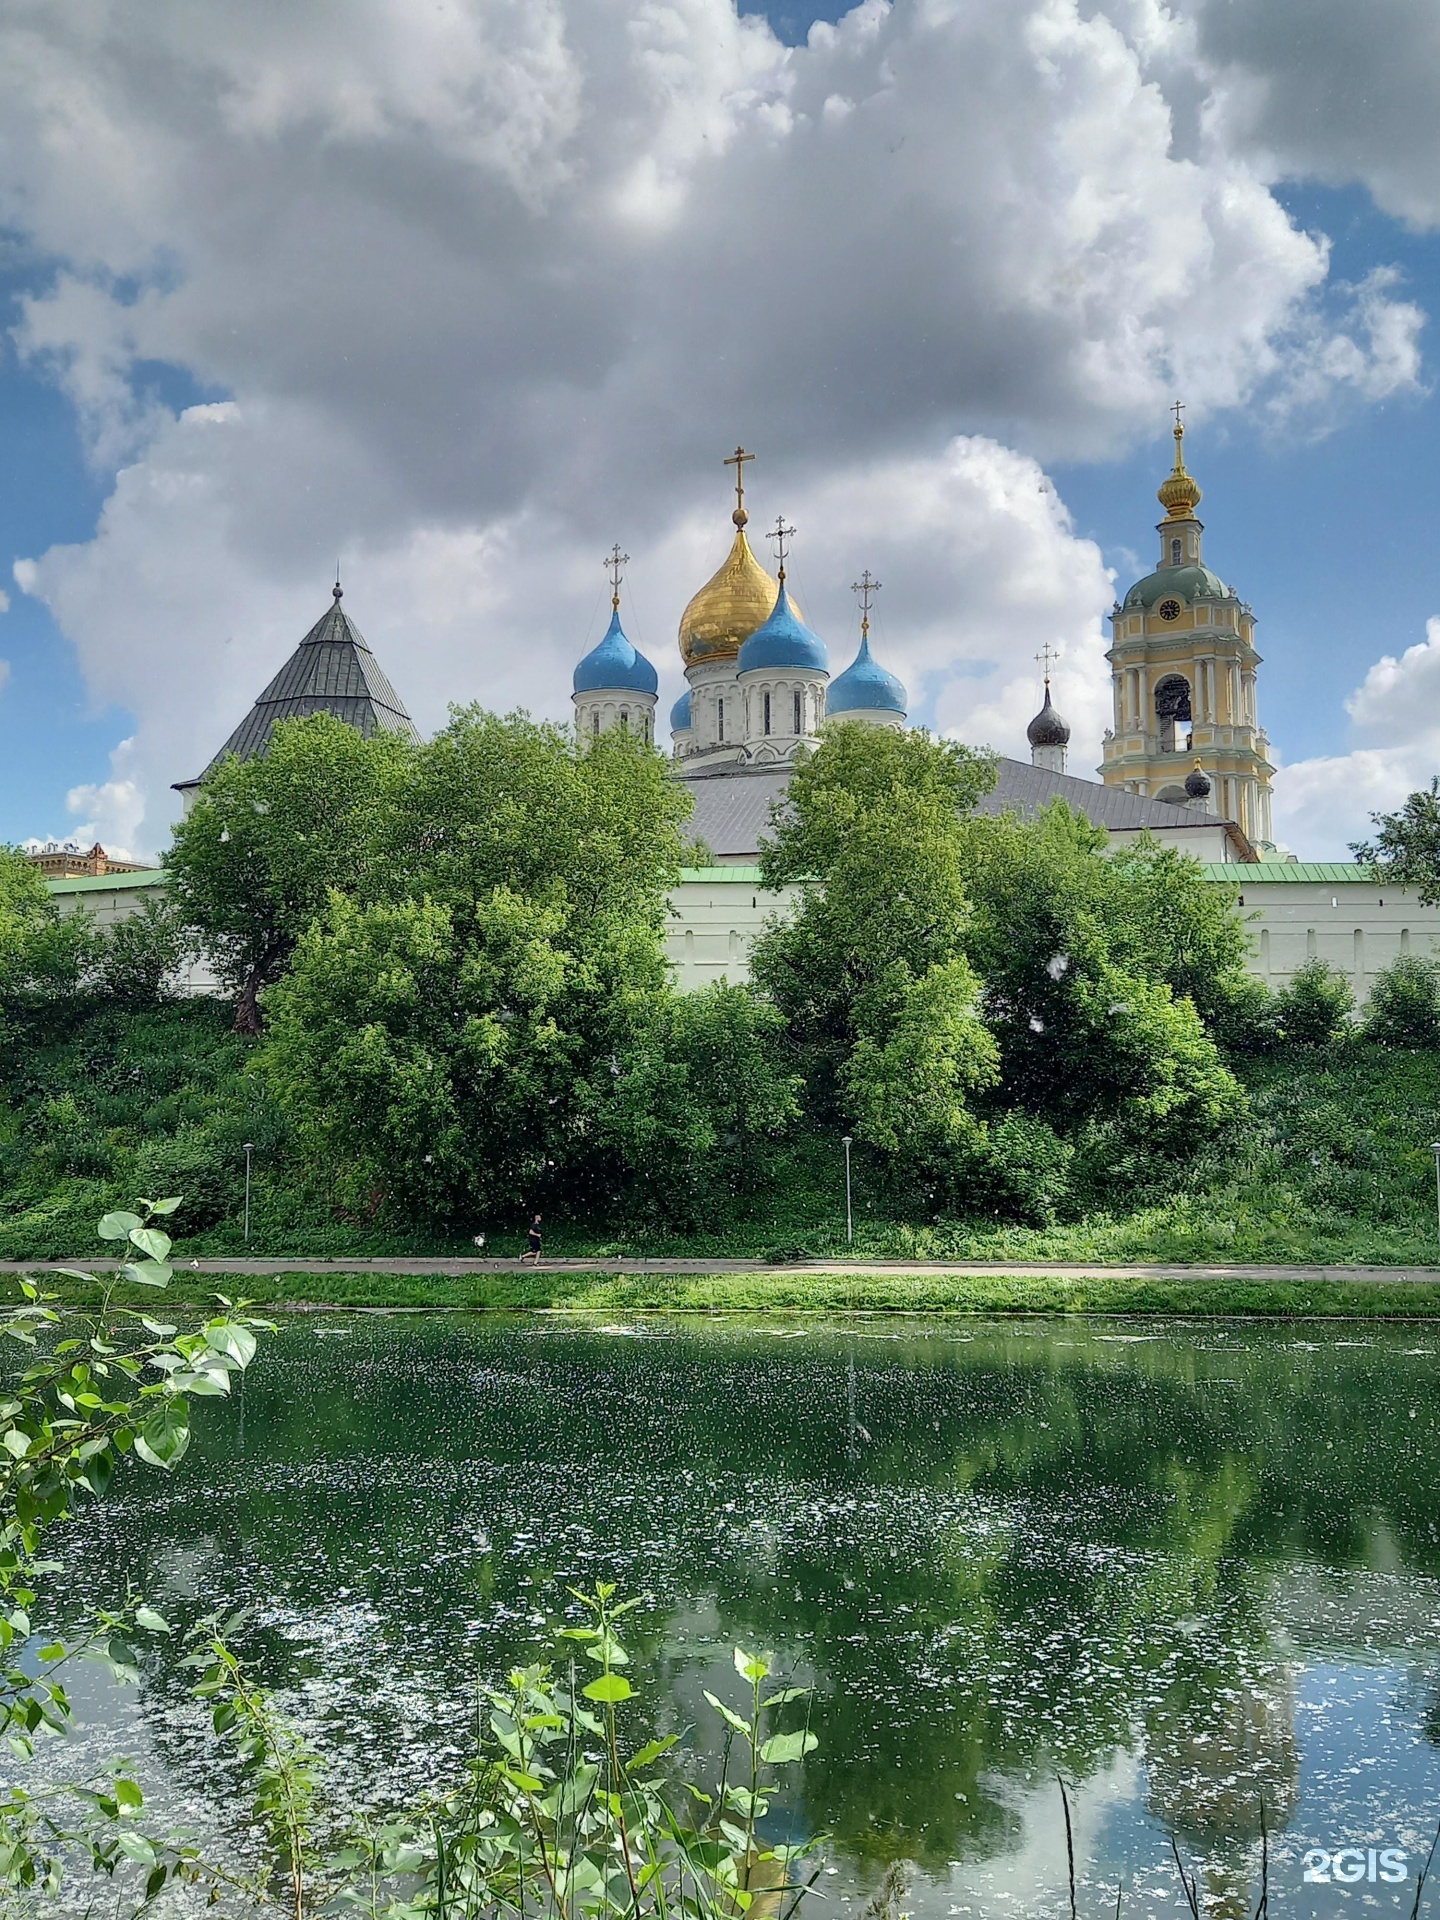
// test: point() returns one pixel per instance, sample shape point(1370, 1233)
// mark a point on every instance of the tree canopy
point(1406, 848)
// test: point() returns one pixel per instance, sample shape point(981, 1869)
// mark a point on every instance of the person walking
point(532, 1252)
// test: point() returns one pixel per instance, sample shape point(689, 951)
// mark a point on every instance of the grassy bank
point(1332, 1166)
point(802, 1293)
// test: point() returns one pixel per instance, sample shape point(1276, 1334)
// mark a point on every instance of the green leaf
point(119, 1226)
point(608, 1688)
point(162, 1441)
point(785, 1695)
point(128, 1794)
point(752, 1666)
point(150, 1240)
point(136, 1847)
point(15, 1442)
point(730, 1719)
point(151, 1621)
point(154, 1273)
point(165, 1206)
point(784, 1747)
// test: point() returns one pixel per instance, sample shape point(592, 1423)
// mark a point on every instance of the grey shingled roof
point(331, 671)
point(732, 806)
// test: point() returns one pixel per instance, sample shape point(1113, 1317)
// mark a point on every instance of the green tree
point(1315, 1006)
point(44, 954)
point(269, 839)
point(1406, 849)
point(1076, 988)
point(136, 957)
point(1404, 1006)
point(870, 837)
point(700, 1096)
point(458, 1042)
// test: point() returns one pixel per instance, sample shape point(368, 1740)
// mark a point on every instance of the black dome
point(1048, 729)
point(1196, 785)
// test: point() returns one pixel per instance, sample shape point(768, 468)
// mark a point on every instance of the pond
point(1187, 1567)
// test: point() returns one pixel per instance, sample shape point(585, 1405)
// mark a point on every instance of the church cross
point(1177, 408)
point(867, 588)
point(737, 460)
point(1047, 657)
point(780, 535)
point(614, 563)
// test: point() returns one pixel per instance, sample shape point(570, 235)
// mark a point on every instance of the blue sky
point(149, 625)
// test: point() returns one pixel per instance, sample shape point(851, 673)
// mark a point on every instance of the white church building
point(1185, 760)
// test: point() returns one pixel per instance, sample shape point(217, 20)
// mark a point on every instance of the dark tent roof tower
point(331, 671)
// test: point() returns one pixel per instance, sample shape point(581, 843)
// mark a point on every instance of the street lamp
point(249, 1149)
point(850, 1216)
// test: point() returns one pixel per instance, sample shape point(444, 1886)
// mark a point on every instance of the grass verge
point(791, 1293)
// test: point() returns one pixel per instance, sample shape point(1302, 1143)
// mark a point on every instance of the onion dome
point(728, 608)
point(864, 687)
point(1178, 493)
point(784, 641)
point(1196, 784)
point(1048, 729)
point(614, 666)
point(680, 714)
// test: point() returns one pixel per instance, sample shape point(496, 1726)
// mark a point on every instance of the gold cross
point(737, 460)
point(1046, 656)
point(867, 589)
point(1177, 408)
point(613, 564)
point(780, 535)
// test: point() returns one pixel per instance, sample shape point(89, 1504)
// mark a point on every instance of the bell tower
point(1182, 669)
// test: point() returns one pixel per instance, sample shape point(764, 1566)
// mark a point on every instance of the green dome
point(1186, 583)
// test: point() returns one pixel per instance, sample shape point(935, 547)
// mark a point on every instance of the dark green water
point(1185, 1566)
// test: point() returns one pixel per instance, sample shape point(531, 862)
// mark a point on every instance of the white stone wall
point(716, 914)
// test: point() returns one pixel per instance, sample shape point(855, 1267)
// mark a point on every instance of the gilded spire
point(737, 599)
point(1178, 493)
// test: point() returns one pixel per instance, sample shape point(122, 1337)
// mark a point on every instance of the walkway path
point(964, 1269)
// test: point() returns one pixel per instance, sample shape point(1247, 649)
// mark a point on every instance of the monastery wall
point(1295, 912)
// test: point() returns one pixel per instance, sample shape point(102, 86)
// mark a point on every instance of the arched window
point(799, 719)
point(767, 713)
point(595, 720)
point(720, 720)
point(625, 718)
point(1175, 552)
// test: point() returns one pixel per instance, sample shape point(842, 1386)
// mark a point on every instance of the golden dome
point(729, 607)
point(1178, 493)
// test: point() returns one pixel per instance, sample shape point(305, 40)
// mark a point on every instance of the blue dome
point(784, 641)
point(680, 713)
point(864, 686)
point(614, 666)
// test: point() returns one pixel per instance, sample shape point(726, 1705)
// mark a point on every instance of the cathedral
point(1185, 759)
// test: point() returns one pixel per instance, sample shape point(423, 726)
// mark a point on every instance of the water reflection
point(1162, 1566)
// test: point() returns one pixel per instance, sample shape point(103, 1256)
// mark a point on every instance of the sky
point(461, 292)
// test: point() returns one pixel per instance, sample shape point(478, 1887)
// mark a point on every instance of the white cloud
point(1329, 90)
point(496, 283)
point(1322, 805)
point(110, 812)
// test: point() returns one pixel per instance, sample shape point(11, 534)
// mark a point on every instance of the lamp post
point(249, 1149)
point(1435, 1149)
point(850, 1216)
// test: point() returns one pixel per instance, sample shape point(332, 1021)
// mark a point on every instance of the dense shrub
point(1404, 1009)
point(1316, 1006)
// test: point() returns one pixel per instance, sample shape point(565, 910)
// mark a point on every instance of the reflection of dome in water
point(728, 608)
